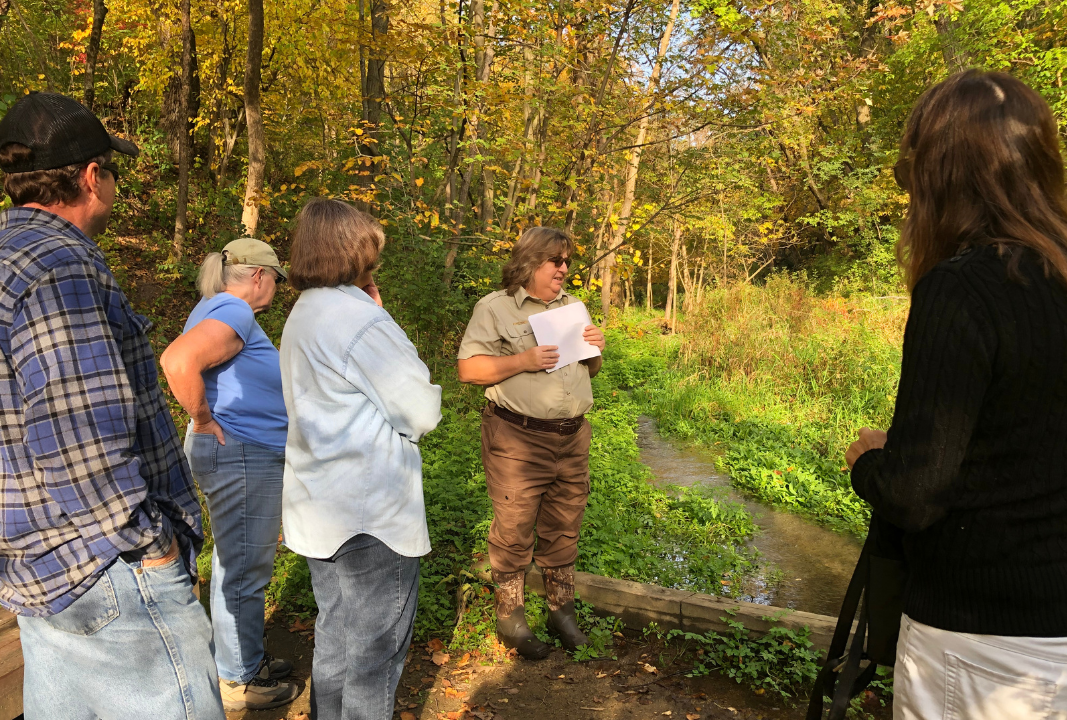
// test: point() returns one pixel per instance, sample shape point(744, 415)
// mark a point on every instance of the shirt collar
point(521, 295)
point(357, 293)
point(33, 217)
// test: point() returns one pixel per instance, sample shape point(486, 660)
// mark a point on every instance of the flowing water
point(805, 566)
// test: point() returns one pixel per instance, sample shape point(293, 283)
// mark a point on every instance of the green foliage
point(781, 662)
point(778, 381)
point(290, 584)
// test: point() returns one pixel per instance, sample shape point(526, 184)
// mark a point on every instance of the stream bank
point(803, 566)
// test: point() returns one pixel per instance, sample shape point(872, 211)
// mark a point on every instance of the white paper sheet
point(564, 327)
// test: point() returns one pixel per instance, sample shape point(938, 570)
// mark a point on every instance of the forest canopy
point(686, 145)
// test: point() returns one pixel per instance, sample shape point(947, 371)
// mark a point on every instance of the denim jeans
point(243, 486)
point(136, 646)
point(367, 595)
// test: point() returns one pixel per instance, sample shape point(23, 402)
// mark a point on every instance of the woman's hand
point(209, 427)
point(366, 284)
point(594, 336)
point(542, 357)
point(372, 290)
point(869, 440)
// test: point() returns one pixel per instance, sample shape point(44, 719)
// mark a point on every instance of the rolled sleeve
point(483, 334)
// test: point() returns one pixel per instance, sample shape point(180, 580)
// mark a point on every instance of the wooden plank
point(11, 667)
point(638, 604)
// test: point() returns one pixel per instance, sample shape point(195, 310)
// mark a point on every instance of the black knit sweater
point(975, 467)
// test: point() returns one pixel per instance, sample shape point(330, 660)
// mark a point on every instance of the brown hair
point(58, 186)
point(333, 244)
point(981, 162)
point(531, 251)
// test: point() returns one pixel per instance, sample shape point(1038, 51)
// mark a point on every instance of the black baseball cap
point(59, 130)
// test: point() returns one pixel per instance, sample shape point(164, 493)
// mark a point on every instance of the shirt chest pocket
point(520, 338)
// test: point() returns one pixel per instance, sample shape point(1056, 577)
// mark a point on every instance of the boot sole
point(235, 706)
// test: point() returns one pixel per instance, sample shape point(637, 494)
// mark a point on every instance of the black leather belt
point(568, 426)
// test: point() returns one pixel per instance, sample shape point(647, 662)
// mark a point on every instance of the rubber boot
point(559, 592)
point(511, 627)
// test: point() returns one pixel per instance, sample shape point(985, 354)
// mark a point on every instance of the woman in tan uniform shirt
point(535, 438)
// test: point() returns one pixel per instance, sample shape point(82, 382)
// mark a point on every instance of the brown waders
point(537, 472)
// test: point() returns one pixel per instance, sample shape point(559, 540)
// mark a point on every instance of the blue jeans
point(243, 486)
point(136, 646)
point(367, 595)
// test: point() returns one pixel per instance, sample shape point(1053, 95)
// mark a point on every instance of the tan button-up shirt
point(500, 326)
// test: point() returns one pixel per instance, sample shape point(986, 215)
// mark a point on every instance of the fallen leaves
point(439, 658)
point(407, 716)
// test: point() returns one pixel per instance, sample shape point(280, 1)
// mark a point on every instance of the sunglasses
point(113, 169)
point(278, 279)
point(559, 260)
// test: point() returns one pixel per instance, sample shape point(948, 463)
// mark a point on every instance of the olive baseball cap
point(249, 251)
point(59, 130)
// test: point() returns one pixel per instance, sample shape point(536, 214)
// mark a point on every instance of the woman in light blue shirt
point(224, 371)
point(359, 400)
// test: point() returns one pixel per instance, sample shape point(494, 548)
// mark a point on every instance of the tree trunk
point(230, 139)
point(538, 168)
point(956, 58)
point(635, 162)
point(220, 110)
point(91, 51)
point(374, 96)
point(257, 141)
point(529, 118)
point(484, 59)
point(672, 281)
point(455, 136)
point(648, 278)
point(184, 160)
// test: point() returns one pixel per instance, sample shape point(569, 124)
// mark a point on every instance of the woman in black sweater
point(974, 466)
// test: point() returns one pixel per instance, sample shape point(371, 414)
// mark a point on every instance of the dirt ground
point(468, 688)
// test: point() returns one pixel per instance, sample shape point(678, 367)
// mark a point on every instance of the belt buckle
point(567, 425)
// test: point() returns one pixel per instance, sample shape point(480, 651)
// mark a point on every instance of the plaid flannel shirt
point(91, 463)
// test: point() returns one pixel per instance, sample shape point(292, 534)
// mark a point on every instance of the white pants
point(943, 675)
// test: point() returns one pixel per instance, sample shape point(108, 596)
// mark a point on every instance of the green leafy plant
point(782, 661)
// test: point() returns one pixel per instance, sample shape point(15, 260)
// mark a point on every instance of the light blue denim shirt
point(359, 399)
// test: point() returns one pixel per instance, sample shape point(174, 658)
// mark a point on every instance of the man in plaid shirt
point(99, 519)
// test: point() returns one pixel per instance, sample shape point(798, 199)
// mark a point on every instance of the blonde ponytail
point(210, 280)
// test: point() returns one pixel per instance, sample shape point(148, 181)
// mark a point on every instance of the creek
point(803, 566)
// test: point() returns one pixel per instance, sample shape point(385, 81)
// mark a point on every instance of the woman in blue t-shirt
point(225, 372)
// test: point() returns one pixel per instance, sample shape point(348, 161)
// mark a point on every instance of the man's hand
point(171, 554)
point(594, 336)
point(210, 428)
point(869, 440)
point(542, 357)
